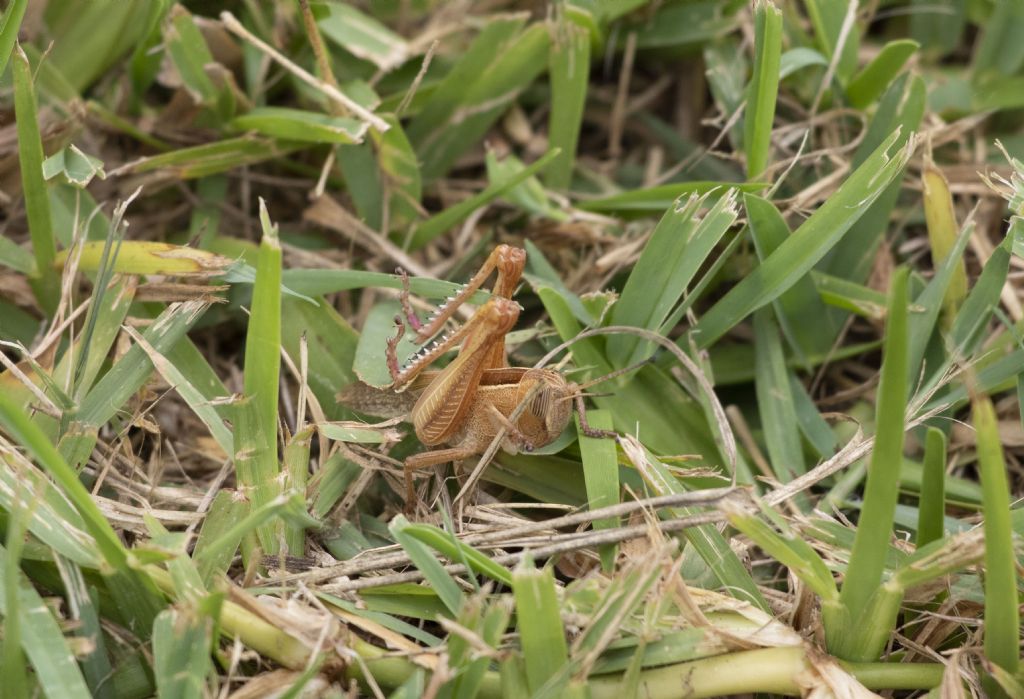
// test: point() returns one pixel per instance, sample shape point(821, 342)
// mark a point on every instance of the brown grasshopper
point(463, 407)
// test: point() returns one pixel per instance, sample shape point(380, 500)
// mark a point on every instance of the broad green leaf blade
point(875, 77)
point(774, 400)
point(299, 125)
point(421, 556)
point(809, 243)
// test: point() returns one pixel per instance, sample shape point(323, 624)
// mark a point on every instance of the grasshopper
point(461, 409)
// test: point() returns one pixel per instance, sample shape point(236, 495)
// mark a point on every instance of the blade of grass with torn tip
point(867, 85)
point(257, 471)
point(41, 638)
point(212, 158)
point(656, 200)
point(675, 252)
point(932, 505)
point(569, 71)
point(1002, 615)
point(296, 465)
point(768, 230)
point(539, 621)
point(290, 124)
point(808, 244)
point(942, 234)
point(601, 474)
point(440, 581)
point(9, 30)
point(45, 283)
point(709, 543)
point(864, 572)
point(263, 338)
point(439, 223)
point(775, 402)
point(764, 87)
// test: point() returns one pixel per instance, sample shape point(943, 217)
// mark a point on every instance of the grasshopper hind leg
point(425, 460)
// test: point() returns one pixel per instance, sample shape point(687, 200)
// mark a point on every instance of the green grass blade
point(441, 222)
point(440, 581)
point(263, 339)
point(9, 30)
point(808, 244)
point(296, 465)
point(774, 400)
point(45, 283)
point(181, 652)
point(874, 78)
point(539, 620)
point(983, 299)
point(569, 68)
point(601, 475)
point(769, 230)
point(764, 87)
point(675, 252)
point(864, 572)
point(828, 18)
point(932, 506)
point(133, 369)
point(1002, 614)
point(257, 471)
point(56, 669)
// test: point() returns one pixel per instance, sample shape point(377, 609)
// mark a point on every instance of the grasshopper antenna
point(618, 372)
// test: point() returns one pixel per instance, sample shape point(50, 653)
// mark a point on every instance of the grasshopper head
point(548, 405)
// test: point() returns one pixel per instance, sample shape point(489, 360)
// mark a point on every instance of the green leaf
point(675, 252)
point(601, 474)
point(867, 559)
point(539, 620)
point(569, 70)
point(291, 124)
point(362, 35)
point(46, 282)
point(808, 244)
point(874, 78)
point(932, 507)
point(763, 88)
point(440, 581)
